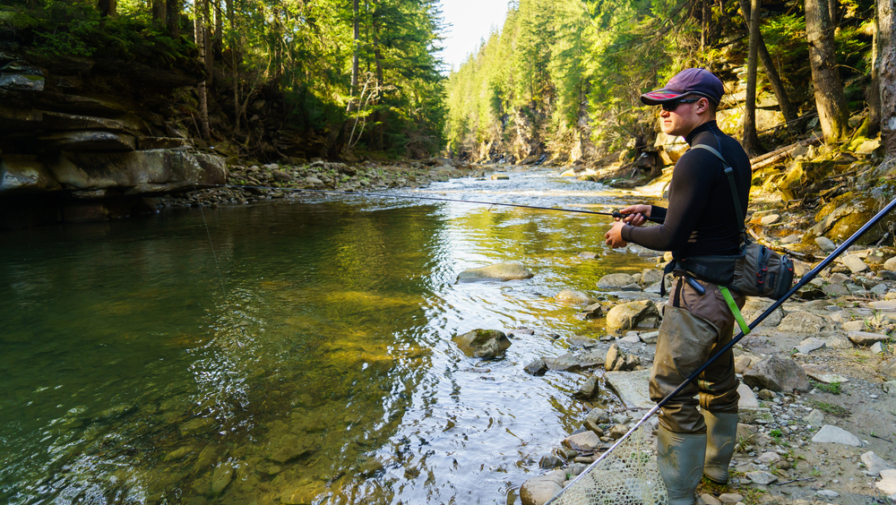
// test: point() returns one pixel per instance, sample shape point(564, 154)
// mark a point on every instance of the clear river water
point(309, 359)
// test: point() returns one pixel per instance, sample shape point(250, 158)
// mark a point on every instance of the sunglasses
point(671, 106)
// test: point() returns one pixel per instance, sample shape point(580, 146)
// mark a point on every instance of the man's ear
point(702, 105)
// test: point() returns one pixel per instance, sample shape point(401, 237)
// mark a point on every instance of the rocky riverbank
point(818, 392)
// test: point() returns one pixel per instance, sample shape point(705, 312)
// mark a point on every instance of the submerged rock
point(569, 295)
point(221, 478)
point(615, 281)
point(501, 272)
point(488, 344)
point(537, 367)
point(539, 490)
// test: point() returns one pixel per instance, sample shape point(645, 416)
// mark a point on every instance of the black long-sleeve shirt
point(701, 219)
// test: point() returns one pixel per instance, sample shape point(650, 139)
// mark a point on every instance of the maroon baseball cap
point(691, 81)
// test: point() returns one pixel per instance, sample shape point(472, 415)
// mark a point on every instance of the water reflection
point(322, 370)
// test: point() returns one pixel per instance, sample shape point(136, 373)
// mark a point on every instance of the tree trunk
point(887, 59)
point(834, 13)
point(219, 29)
point(173, 17)
point(751, 139)
point(771, 71)
point(872, 92)
point(159, 12)
point(207, 41)
point(233, 63)
point(829, 98)
point(355, 50)
point(705, 28)
point(378, 56)
point(200, 10)
point(108, 8)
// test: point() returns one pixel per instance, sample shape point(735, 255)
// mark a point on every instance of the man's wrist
point(626, 232)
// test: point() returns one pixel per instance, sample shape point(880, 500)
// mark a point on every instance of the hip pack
point(756, 271)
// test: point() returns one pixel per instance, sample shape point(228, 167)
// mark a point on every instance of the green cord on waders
point(599, 482)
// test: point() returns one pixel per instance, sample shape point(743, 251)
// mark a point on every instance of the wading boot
point(721, 437)
point(680, 461)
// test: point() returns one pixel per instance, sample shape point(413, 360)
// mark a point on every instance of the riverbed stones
point(221, 477)
point(628, 315)
point(593, 311)
point(762, 478)
point(747, 399)
point(810, 344)
point(888, 367)
point(865, 338)
point(829, 434)
point(874, 463)
point(487, 344)
point(588, 390)
point(651, 276)
point(814, 418)
point(825, 244)
point(538, 490)
point(804, 322)
point(536, 367)
point(586, 441)
point(572, 296)
point(196, 426)
point(632, 388)
point(291, 448)
point(595, 418)
point(854, 263)
point(777, 374)
point(887, 483)
point(499, 272)
point(616, 282)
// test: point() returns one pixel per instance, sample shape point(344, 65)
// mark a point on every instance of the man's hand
point(614, 236)
point(636, 214)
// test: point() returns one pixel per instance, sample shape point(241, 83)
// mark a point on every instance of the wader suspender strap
point(729, 172)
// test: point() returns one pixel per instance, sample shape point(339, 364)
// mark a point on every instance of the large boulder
point(628, 315)
point(24, 174)
point(500, 272)
point(777, 374)
point(488, 344)
point(139, 172)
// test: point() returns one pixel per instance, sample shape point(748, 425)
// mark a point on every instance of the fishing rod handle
point(621, 216)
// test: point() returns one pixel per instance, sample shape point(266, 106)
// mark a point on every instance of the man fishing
point(697, 322)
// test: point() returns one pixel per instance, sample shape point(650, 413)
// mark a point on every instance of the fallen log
point(779, 154)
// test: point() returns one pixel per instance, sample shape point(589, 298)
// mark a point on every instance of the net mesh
point(627, 476)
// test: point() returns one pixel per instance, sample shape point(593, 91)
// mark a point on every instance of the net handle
point(805, 280)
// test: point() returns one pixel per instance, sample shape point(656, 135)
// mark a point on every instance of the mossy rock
point(842, 221)
point(488, 344)
point(833, 204)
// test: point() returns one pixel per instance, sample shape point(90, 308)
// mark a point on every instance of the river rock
point(586, 441)
point(595, 418)
point(281, 176)
point(588, 390)
point(488, 344)
point(649, 337)
point(730, 498)
point(500, 272)
point(814, 418)
point(742, 363)
point(632, 388)
point(197, 425)
point(747, 399)
point(616, 281)
point(854, 263)
point(299, 496)
point(500, 177)
point(221, 478)
point(777, 374)
point(91, 141)
point(571, 362)
point(290, 448)
point(313, 181)
point(883, 305)
point(833, 435)
point(25, 174)
point(874, 463)
point(866, 338)
point(628, 315)
point(761, 478)
point(825, 244)
point(538, 490)
point(537, 367)
point(549, 461)
point(650, 276)
point(769, 219)
point(569, 295)
point(888, 367)
point(887, 483)
point(810, 344)
point(804, 322)
point(593, 311)
point(890, 264)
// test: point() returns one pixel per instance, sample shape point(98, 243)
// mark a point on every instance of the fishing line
point(616, 214)
point(212, 245)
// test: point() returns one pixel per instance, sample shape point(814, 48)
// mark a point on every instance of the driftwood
point(779, 154)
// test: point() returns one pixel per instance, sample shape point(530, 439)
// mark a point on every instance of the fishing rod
point(615, 214)
point(805, 280)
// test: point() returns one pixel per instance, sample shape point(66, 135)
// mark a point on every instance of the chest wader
point(695, 324)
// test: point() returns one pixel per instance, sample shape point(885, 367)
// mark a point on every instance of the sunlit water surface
point(312, 362)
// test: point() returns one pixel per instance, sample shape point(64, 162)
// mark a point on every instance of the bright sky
point(469, 22)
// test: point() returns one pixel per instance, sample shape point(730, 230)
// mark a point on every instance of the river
point(307, 359)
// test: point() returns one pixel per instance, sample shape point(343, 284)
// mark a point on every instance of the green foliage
point(832, 388)
point(830, 408)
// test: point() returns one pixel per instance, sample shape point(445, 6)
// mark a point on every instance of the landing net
point(626, 476)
